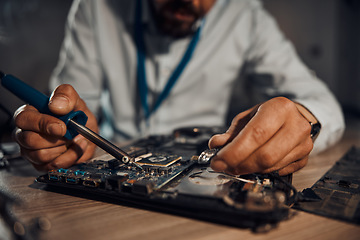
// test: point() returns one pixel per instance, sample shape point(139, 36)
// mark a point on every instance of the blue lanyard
point(141, 70)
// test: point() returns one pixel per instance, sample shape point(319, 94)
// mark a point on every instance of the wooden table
point(78, 218)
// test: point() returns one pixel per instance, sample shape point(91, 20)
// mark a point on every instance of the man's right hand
point(40, 136)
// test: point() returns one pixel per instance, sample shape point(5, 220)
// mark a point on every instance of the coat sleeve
point(78, 63)
point(274, 69)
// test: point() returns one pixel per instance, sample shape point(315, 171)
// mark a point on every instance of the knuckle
point(41, 155)
point(55, 165)
point(308, 145)
point(28, 139)
point(295, 166)
point(285, 102)
point(43, 125)
point(258, 134)
point(301, 163)
point(265, 160)
point(305, 127)
point(285, 105)
point(231, 161)
point(58, 163)
point(81, 104)
point(230, 158)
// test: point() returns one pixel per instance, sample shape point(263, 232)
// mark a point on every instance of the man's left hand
point(273, 136)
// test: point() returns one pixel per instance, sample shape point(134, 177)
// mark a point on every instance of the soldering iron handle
point(40, 101)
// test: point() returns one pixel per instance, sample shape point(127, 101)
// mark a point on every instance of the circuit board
point(172, 180)
point(337, 193)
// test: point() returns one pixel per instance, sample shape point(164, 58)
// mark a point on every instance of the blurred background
point(326, 34)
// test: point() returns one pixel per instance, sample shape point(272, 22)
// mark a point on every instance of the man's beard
point(176, 18)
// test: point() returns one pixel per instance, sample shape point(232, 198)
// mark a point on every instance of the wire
point(291, 199)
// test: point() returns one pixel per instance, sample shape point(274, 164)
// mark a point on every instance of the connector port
point(92, 182)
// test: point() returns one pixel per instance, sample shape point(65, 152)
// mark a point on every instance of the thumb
point(63, 99)
point(237, 124)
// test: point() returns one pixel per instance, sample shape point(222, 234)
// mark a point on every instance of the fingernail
point(55, 129)
point(59, 102)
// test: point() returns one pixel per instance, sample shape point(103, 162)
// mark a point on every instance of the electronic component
point(173, 179)
point(337, 193)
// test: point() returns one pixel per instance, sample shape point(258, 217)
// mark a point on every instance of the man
point(151, 66)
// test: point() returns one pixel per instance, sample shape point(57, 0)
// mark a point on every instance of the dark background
point(326, 34)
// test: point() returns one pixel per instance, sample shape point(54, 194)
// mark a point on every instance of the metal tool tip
point(138, 166)
point(207, 155)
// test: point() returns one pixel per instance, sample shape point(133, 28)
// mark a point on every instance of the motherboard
point(169, 177)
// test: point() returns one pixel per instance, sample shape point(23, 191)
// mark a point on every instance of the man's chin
point(178, 31)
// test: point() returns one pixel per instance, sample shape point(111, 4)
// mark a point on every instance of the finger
point(28, 118)
point(65, 99)
point(293, 167)
point(219, 140)
point(43, 156)
point(237, 124)
point(256, 133)
point(79, 151)
point(33, 141)
point(299, 152)
point(65, 160)
point(71, 156)
point(87, 148)
point(294, 136)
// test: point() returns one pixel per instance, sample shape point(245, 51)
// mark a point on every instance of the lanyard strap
point(141, 70)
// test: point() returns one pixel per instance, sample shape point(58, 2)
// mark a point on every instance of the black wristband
point(315, 130)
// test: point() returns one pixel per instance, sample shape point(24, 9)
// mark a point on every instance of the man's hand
point(273, 136)
point(40, 136)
